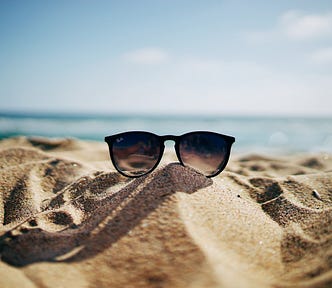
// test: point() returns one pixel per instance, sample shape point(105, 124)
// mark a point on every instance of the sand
point(69, 220)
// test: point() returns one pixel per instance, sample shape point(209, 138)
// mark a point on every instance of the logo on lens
point(119, 140)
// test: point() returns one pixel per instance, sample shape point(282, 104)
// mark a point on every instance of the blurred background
point(258, 70)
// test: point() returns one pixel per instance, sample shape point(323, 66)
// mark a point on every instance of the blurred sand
point(69, 220)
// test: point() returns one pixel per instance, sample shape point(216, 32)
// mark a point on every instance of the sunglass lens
point(203, 151)
point(136, 153)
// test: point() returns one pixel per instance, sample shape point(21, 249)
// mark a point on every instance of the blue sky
point(152, 56)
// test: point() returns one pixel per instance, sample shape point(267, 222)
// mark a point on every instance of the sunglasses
point(138, 153)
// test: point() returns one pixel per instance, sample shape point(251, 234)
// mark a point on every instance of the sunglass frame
point(229, 140)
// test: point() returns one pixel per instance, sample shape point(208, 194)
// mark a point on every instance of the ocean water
point(267, 135)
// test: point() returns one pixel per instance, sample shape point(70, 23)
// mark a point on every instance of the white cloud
point(300, 26)
point(294, 25)
point(210, 85)
point(148, 55)
point(322, 56)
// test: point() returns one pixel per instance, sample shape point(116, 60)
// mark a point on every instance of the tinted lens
point(136, 153)
point(203, 151)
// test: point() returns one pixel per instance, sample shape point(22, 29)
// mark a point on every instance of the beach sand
point(69, 220)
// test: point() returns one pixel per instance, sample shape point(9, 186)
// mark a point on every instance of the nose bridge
point(169, 137)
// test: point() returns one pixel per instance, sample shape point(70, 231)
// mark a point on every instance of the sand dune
point(69, 220)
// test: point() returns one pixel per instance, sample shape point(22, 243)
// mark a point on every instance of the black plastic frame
point(229, 140)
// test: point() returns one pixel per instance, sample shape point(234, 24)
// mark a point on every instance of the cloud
point(322, 56)
point(216, 85)
point(294, 25)
point(148, 55)
point(299, 26)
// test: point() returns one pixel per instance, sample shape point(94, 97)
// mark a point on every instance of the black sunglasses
point(137, 153)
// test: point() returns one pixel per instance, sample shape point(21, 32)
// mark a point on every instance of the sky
point(232, 57)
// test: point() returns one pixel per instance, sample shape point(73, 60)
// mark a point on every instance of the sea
point(259, 134)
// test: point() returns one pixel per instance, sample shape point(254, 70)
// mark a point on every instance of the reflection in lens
point(135, 154)
point(203, 151)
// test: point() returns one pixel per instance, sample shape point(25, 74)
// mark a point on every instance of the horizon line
point(120, 114)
